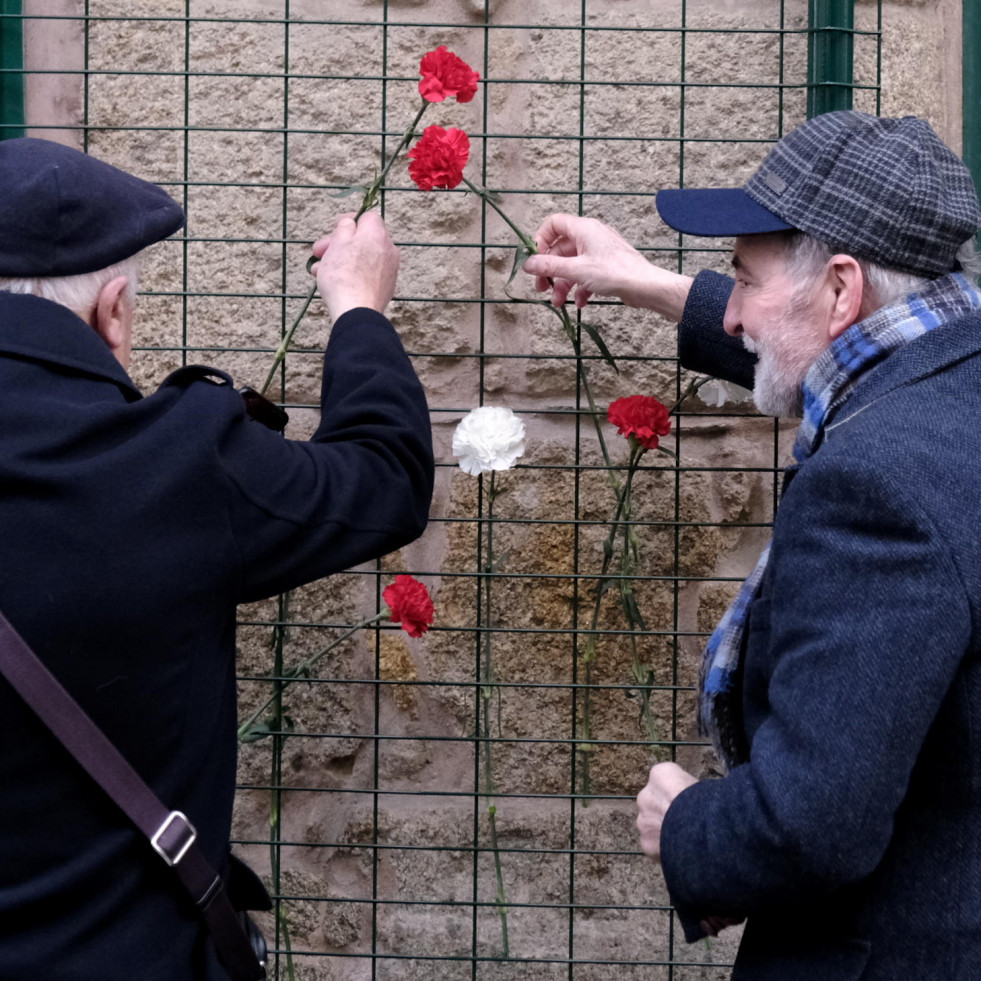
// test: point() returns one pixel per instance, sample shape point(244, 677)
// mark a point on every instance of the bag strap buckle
point(174, 837)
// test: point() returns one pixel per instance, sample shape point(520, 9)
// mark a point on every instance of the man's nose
point(732, 320)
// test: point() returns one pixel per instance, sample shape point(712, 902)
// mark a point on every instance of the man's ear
point(846, 292)
point(112, 317)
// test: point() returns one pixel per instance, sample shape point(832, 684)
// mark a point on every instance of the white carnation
point(488, 438)
point(717, 392)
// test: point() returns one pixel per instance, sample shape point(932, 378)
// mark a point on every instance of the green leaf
point(634, 617)
point(255, 732)
point(521, 254)
point(348, 191)
point(601, 344)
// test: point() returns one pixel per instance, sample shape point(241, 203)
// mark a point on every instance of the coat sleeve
point(859, 630)
point(703, 345)
point(360, 487)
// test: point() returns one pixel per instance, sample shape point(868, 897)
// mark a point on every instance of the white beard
point(776, 391)
point(783, 362)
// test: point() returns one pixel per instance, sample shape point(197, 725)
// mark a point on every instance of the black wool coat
point(130, 528)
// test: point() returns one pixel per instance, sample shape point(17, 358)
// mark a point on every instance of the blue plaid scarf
point(828, 383)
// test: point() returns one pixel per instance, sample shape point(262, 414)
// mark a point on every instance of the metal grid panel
point(377, 835)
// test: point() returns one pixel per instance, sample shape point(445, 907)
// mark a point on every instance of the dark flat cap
point(887, 190)
point(63, 212)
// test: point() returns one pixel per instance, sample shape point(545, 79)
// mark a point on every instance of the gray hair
point(806, 256)
point(80, 292)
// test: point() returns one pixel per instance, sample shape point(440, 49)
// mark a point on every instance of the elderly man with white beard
point(842, 688)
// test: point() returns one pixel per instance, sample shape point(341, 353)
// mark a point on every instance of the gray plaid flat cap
point(886, 190)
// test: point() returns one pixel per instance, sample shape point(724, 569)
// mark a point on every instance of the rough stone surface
point(384, 808)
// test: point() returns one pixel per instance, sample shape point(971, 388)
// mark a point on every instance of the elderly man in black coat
point(842, 688)
point(132, 525)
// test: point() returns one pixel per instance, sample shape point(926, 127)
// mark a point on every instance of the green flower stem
point(529, 244)
point(629, 559)
point(629, 555)
point(526, 240)
point(581, 371)
point(304, 666)
point(487, 690)
point(284, 926)
point(589, 658)
point(369, 200)
point(693, 386)
point(284, 344)
point(595, 414)
point(280, 635)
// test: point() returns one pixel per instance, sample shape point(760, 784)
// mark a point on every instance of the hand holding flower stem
point(526, 248)
point(444, 75)
point(370, 199)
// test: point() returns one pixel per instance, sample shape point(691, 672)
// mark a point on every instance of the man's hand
point(712, 926)
point(358, 265)
point(591, 257)
point(666, 781)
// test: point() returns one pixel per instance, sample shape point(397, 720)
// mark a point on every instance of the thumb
point(344, 230)
point(547, 266)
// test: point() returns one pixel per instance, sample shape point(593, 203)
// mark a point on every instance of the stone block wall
point(254, 113)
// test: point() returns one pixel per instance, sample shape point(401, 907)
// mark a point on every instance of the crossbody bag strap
point(170, 833)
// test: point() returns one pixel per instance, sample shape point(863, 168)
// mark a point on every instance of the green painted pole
point(971, 82)
point(830, 54)
point(11, 70)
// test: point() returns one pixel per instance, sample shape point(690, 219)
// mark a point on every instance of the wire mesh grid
point(462, 804)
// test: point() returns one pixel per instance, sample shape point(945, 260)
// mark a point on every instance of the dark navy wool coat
point(852, 838)
point(130, 528)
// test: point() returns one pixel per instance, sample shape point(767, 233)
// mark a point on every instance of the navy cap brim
point(716, 212)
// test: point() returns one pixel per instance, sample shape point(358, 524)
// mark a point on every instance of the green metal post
point(829, 55)
point(11, 65)
point(972, 86)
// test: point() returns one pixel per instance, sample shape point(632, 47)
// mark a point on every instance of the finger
point(650, 845)
point(555, 227)
point(550, 267)
point(561, 288)
point(582, 297)
point(320, 246)
point(535, 266)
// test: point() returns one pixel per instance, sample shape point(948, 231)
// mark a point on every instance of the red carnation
point(444, 74)
point(642, 417)
point(438, 159)
point(409, 603)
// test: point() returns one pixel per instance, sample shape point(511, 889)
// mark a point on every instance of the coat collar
point(922, 357)
point(40, 330)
